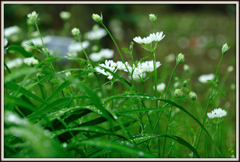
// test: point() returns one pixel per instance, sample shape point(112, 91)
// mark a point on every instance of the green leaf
point(12, 85)
point(47, 60)
point(17, 101)
point(40, 142)
point(56, 104)
point(139, 110)
point(143, 138)
point(125, 147)
point(19, 72)
point(93, 129)
point(184, 110)
point(19, 49)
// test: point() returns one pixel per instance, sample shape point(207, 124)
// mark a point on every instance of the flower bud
point(180, 58)
point(75, 32)
point(33, 17)
point(178, 93)
point(193, 96)
point(97, 18)
point(230, 69)
point(153, 17)
point(225, 48)
point(186, 68)
point(131, 46)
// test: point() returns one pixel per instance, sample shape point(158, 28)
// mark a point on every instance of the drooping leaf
point(19, 49)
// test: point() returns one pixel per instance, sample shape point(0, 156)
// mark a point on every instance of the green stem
point(170, 81)
point(196, 109)
point(120, 54)
point(84, 52)
point(40, 36)
point(204, 118)
point(156, 95)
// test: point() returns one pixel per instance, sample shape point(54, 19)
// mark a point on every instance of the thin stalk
point(170, 81)
point(196, 109)
point(170, 109)
point(204, 118)
point(40, 36)
point(168, 122)
point(84, 52)
point(120, 54)
point(156, 95)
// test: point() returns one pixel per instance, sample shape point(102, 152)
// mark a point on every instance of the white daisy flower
point(204, 78)
point(30, 61)
point(217, 113)
point(14, 63)
point(76, 47)
point(152, 37)
point(11, 30)
point(96, 34)
point(160, 87)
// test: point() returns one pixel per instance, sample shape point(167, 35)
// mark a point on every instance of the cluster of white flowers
point(152, 37)
point(30, 61)
point(204, 78)
point(138, 71)
point(11, 30)
point(160, 87)
point(104, 53)
point(76, 47)
point(96, 34)
point(33, 16)
point(36, 41)
point(110, 65)
point(14, 63)
point(217, 113)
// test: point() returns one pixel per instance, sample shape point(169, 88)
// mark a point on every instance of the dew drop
point(64, 144)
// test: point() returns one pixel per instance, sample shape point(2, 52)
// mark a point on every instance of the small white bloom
point(110, 65)
point(30, 61)
point(230, 69)
point(68, 73)
point(186, 68)
point(36, 41)
point(95, 57)
point(138, 40)
point(11, 30)
point(96, 34)
point(160, 87)
point(76, 47)
point(14, 63)
point(5, 42)
point(65, 15)
point(170, 58)
point(217, 113)
point(152, 37)
point(33, 16)
point(72, 54)
point(104, 53)
point(121, 66)
point(204, 78)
